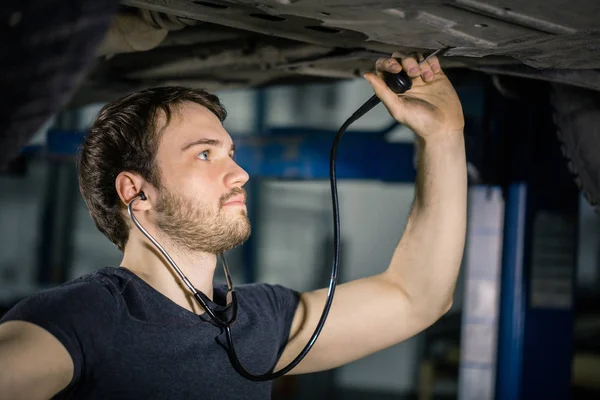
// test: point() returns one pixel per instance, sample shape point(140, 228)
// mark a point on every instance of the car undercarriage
point(81, 52)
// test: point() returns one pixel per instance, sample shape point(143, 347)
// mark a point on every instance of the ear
point(129, 186)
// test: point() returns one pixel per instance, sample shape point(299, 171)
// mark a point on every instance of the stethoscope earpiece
point(142, 196)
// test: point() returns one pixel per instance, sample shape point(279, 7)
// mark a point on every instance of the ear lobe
point(128, 187)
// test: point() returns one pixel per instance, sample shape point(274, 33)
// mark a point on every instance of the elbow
point(430, 313)
point(444, 307)
point(440, 311)
point(447, 307)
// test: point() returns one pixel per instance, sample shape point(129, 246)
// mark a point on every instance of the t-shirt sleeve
point(72, 313)
point(282, 305)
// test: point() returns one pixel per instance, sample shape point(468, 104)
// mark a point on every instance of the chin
point(237, 210)
point(241, 226)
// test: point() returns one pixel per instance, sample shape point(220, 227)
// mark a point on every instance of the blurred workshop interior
point(525, 320)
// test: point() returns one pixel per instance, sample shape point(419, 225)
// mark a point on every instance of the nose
point(236, 176)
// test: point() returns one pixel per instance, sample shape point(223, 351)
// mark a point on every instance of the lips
point(236, 199)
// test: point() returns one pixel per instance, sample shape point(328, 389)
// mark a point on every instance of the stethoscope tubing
point(201, 298)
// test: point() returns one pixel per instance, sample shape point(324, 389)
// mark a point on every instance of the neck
point(145, 260)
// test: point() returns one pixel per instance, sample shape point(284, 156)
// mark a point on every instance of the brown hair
point(125, 137)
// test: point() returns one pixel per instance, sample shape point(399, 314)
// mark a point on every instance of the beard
point(197, 227)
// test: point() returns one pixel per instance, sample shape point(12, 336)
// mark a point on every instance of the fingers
point(410, 63)
point(419, 70)
point(381, 89)
point(393, 103)
point(434, 63)
point(423, 72)
point(388, 65)
point(426, 73)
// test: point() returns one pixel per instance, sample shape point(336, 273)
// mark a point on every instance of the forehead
point(189, 122)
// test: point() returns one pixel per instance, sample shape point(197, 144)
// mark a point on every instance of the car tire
point(47, 47)
point(577, 118)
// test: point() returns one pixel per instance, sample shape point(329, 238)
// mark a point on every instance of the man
point(134, 331)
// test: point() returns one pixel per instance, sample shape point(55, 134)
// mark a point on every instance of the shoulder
point(92, 292)
point(271, 303)
point(73, 313)
point(262, 295)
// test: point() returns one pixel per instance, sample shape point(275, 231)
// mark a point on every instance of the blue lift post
point(535, 332)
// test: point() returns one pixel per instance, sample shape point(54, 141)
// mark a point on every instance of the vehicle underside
point(94, 51)
point(219, 44)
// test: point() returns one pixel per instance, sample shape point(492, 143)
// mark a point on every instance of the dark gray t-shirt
point(128, 341)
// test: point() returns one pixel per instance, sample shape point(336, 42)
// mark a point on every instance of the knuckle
point(409, 61)
point(392, 64)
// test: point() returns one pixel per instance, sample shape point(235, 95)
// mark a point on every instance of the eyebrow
point(209, 142)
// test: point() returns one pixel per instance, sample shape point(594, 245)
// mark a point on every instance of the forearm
point(428, 257)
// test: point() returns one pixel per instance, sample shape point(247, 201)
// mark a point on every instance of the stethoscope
point(225, 316)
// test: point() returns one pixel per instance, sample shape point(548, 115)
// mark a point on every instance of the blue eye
point(203, 155)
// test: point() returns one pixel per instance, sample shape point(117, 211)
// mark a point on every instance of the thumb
point(390, 100)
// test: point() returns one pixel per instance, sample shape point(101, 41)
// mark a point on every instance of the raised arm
point(35, 365)
point(416, 289)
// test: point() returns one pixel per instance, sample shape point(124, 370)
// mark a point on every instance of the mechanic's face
point(201, 204)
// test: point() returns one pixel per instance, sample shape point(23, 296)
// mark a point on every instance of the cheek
point(204, 187)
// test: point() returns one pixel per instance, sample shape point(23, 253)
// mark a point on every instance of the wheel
point(46, 48)
point(577, 118)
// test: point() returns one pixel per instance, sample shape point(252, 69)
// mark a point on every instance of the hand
point(431, 108)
